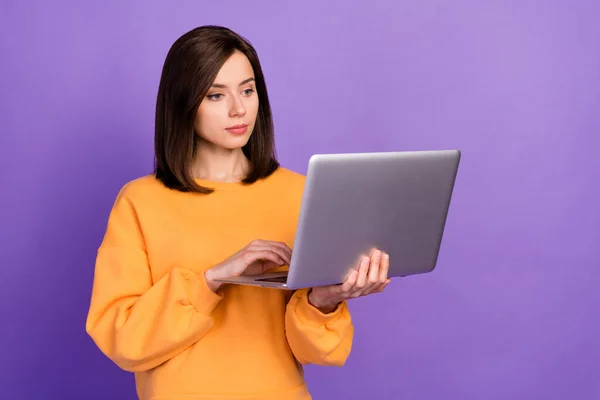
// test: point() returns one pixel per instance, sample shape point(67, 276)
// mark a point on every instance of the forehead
point(236, 69)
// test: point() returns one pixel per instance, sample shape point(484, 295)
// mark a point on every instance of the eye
point(215, 96)
point(248, 92)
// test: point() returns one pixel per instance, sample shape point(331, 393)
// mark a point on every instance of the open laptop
point(395, 201)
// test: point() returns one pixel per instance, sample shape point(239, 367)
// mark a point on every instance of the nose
point(237, 108)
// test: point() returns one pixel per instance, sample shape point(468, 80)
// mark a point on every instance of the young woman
point(217, 205)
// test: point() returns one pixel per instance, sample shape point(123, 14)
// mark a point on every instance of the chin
point(236, 142)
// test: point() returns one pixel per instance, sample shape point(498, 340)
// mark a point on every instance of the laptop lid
point(395, 201)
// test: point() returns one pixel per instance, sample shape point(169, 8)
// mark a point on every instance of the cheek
point(252, 107)
point(208, 121)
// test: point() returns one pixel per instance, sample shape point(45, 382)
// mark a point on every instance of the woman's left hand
point(370, 277)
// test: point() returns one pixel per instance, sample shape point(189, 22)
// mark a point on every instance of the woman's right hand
point(257, 257)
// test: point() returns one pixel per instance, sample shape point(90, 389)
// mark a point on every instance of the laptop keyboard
point(281, 279)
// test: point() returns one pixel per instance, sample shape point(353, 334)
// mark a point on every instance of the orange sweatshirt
point(152, 313)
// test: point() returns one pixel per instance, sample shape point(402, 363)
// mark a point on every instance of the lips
point(237, 129)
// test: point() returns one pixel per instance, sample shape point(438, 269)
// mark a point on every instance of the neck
point(218, 164)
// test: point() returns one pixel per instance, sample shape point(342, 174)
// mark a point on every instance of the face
point(227, 115)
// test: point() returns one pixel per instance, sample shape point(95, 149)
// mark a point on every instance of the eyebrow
point(220, 85)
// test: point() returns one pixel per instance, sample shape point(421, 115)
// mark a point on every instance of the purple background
point(511, 313)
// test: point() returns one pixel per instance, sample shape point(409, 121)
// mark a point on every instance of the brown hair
point(190, 68)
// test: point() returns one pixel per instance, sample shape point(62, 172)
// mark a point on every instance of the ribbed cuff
point(308, 313)
point(202, 298)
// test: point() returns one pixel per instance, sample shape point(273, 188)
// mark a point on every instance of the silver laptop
point(395, 201)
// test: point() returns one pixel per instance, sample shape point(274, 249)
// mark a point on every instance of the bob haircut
point(190, 68)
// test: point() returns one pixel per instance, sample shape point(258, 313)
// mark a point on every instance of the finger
point(271, 248)
point(280, 247)
point(361, 279)
point(273, 244)
point(349, 282)
point(283, 246)
point(384, 269)
point(254, 256)
point(381, 287)
point(385, 284)
point(279, 244)
point(374, 268)
point(373, 274)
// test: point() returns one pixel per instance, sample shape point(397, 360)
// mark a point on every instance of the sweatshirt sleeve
point(317, 338)
point(138, 323)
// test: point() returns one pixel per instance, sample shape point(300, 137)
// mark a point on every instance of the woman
point(218, 205)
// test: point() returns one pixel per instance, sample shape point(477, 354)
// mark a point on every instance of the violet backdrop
point(511, 312)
